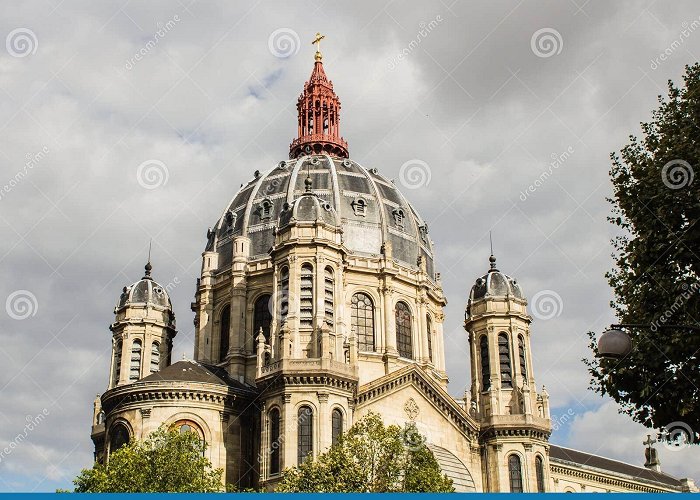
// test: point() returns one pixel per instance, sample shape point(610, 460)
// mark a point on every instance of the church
point(319, 302)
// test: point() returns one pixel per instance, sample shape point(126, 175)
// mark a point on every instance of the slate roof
point(192, 371)
point(567, 455)
point(339, 184)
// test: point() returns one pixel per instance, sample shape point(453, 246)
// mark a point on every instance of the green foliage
point(656, 208)
point(167, 461)
point(370, 457)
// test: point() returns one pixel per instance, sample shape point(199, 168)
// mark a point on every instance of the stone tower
point(514, 418)
point(142, 332)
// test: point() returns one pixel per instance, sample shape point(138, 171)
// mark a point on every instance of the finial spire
point(148, 267)
point(318, 57)
point(492, 258)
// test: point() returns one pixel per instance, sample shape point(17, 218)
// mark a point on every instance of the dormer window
point(265, 209)
point(359, 206)
point(399, 218)
point(230, 220)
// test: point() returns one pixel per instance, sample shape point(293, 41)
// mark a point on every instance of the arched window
point(275, 443)
point(403, 330)
point(119, 436)
point(429, 333)
point(155, 357)
point(328, 301)
point(283, 295)
point(118, 362)
point(183, 426)
point(399, 217)
point(135, 367)
point(504, 361)
point(521, 354)
point(306, 297)
point(539, 471)
point(485, 364)
point(305, 427)
point(515, 474)
point(362, 321)
point(224, 331)
point(336, 425)
point(262, 318)
point(265, 209)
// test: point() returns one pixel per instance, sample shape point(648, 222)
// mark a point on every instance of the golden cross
point(317, 41)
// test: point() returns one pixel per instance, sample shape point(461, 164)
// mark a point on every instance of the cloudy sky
point(121, 122)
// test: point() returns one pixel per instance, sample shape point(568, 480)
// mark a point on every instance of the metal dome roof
point(496, 284)
point(146, 292)
point(368, 207)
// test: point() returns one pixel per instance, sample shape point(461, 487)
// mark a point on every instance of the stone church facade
point(319, 302)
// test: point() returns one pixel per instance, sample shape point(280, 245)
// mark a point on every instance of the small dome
point(145, 291)
point(309, 208)
point(496, 284)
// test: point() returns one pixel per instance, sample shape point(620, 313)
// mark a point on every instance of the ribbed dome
point(496, 284)
point(145, 292)
point(368, 207)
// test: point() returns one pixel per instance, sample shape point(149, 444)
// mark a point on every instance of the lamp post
point(615, 343)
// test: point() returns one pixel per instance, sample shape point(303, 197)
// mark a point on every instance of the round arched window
point(184, 426)
point(119, 436)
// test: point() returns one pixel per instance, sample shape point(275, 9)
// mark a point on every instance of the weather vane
point(317, 41)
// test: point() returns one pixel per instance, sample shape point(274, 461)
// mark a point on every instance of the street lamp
point(615, 343)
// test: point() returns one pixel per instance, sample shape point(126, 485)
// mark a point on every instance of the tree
point(370, 457)
point(166, 461)
point(656, 206)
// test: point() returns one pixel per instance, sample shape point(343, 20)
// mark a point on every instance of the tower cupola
point(319, 115)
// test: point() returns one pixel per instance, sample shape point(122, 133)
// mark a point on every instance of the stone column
point(324, 426)
point(389, 328)
point(423, 329)
point(288, 453)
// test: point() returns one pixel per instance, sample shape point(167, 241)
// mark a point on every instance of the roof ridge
point(615, 460)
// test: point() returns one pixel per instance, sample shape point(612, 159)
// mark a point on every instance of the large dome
point(368, 207)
